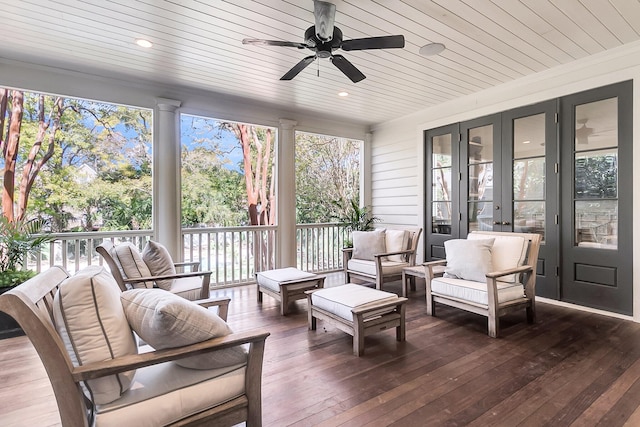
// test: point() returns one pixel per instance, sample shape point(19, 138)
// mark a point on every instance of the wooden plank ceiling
point(197, 43)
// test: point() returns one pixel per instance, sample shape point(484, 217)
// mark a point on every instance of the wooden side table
point(409, 275)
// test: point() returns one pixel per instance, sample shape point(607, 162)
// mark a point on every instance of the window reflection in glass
point(481, 181)
point(480, 216)
point(481, 144)
point(597, 224)
point(441, 184)
point(528, 217)
point(528, 179)
point(596, 174)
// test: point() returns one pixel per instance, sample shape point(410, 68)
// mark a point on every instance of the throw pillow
point(164, 320)
point(468, 259)
point(507, 251)
point(89, 317)
point(397, 240)
point(368, 243)
point(131, 264)
point(159, 261)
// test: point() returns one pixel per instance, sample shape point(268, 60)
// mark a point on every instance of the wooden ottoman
point(286, 285)
point(358, 311)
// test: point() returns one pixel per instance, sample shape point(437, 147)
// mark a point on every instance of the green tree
point(327, 176)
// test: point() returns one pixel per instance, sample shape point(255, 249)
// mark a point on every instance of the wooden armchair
point(192, 285)
point(512, 286)
point(31, 305)
point(386, 263)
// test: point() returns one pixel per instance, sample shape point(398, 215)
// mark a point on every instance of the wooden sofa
point(31, 305)
point(381, 268)
point(494, 297)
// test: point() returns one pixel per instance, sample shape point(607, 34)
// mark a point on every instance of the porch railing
point(233, 254)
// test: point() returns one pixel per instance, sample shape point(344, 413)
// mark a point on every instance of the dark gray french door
point(597, 198)
point(560, 168)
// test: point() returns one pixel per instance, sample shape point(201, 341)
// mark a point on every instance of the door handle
point(496, 222)
point(506, 223)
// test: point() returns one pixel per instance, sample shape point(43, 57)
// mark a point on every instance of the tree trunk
point(10, 152)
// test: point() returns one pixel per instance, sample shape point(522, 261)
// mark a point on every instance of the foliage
point(355, 218)
point(96, 173)
point(19, 239)
point(327, 176)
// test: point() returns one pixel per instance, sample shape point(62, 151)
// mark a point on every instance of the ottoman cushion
point(339, 300)
point(271, 279)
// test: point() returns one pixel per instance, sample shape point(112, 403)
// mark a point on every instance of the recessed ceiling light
point(144, 43)
point(526, 142)
point(431, 49)
point(343, 93)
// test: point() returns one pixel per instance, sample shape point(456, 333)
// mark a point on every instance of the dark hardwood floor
point(571, 368)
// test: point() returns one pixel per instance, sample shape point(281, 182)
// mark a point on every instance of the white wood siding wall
point(397, 146)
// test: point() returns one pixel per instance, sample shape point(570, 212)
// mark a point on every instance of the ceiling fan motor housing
point(323, 49)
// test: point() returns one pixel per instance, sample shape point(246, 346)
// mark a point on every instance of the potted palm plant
point(18, 240)
point(355, 218)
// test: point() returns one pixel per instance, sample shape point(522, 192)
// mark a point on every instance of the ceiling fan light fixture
point(432, 49)
point(144, 43)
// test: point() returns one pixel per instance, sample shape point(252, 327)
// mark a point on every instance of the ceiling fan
point(323, 38)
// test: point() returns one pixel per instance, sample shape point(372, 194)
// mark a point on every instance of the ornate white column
point(166, 176)
point(286, 195)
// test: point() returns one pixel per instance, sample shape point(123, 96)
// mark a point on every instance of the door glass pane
point(529, 174)
point(597, 224)
point(528, 217)
point(480, 216)
point(528, 179)
point(441, 184)
point(441, 151)
point(528, 136)
point(596, 125)
point(481, 181)
point(441, 214)
point(481, 144)
point(596, 174)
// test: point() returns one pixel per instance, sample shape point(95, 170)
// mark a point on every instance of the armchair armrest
point(501, 273)
point(134, 361)
point(430, 272)
point(408, 251)
point(169, 276)
point(195, 265)
point(221, 302)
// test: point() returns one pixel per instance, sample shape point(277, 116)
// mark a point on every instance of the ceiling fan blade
point(347, 68)
point(298, 67)
point(261, 42)
point(384, 42)
point(325, 14)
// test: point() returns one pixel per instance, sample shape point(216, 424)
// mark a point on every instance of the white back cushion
point(507, 252)
point(368, 243)
point(397, 240)
point(89, 317)
point(159, 261)
point(131, 264)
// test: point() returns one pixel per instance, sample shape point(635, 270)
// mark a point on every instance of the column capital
point(166, 104)
point(287, 124)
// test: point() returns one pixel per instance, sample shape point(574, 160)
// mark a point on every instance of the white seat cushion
point(271, 279)
point(475, 291)
point(340, 300)
point(163, 393)
point(369, 267)
point(187, 287)
point(507, 252)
